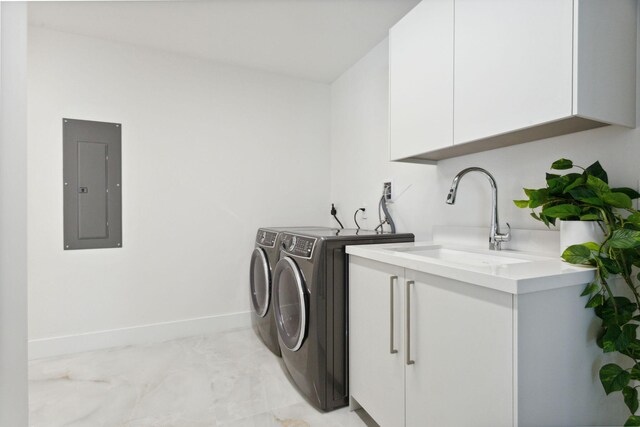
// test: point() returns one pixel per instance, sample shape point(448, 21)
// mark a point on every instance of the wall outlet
point(387, 191)
point(365, 212)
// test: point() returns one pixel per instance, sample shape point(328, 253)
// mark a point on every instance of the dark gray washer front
point(92, 154)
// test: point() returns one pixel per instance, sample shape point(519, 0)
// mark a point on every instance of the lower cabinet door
point(376, 373)
point(460, 369)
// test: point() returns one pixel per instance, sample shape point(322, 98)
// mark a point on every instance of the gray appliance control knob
point(292, 245)
point(264, 236)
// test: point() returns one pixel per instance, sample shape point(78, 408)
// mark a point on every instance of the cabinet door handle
point(407, 319)
point(391, 315)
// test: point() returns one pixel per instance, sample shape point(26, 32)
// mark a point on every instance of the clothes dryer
point(310, 302)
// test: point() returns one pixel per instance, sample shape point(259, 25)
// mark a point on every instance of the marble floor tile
point(226, 379)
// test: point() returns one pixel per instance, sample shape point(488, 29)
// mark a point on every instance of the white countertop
point(521, 273)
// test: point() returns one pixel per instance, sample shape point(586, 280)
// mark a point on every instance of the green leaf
point(591, 288)
point(592, 246)
point(618, 339)
point(633, 194)
point(630, 398)
point(614, 340)
point(597, 171)
point(633, 349)
point(635, 372)
point(624, 239)
point(550, 220)
point(546, 219)
point(521, 203)
point(616, 314)
point(596, 301)
point(537, 197)
point(613, 378)
point(562, 164)
point(599, 186)
point(632, 421)
point(551, 177)
point(577, 182)
point(617, 200)
point(634, 218)
point(599, 337)
point(562, 211)
point(630, 330)
point(577, 254)
point(586, 195)
point(556, 184)
point(589, 217)
point(610, 265)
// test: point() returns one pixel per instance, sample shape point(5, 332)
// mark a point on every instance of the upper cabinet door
point(513, 65)
point(421, 80)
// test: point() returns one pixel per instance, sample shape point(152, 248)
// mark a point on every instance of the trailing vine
point(587, 196)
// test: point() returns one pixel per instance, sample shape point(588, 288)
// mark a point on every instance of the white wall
point(13, 210)
point(210, 153)
point(359, 153)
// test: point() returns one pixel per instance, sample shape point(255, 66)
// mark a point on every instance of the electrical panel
point(92, 171)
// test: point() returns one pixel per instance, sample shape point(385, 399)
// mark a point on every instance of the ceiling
point(311, 39)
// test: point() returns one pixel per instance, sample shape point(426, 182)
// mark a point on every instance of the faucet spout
point(495, 237)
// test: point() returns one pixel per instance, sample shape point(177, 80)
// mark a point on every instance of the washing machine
point(263, 260)
point(310, 302)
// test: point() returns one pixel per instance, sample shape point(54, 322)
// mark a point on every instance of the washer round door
point(260, 275)
point(290, 303)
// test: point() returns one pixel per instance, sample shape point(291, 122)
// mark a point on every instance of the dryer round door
point(260, 283)
point(290, 303)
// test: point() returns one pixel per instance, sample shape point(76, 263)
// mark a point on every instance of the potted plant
point(586, 196)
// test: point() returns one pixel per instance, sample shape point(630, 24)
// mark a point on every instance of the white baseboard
point(143, 334)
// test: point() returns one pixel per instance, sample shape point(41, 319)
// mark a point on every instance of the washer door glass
point(290, 303)
point(260, 282)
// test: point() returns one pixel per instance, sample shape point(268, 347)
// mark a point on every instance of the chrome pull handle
point(407, 328)
point(391, 315)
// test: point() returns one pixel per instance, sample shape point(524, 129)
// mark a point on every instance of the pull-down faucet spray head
point(451, 197)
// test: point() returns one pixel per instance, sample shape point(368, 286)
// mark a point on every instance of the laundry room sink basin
point(463, 257)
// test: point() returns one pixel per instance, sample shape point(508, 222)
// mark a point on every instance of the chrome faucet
point(495, 237)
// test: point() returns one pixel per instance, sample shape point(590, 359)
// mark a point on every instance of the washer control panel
point(266, 238)
point(300, 246)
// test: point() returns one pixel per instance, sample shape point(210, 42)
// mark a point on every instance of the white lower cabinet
point(460, 340)
point(427, 350)
point(376, 354)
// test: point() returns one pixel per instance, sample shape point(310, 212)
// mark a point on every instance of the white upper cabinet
point(421, 79)
point(523, 70)
point(513, 65)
